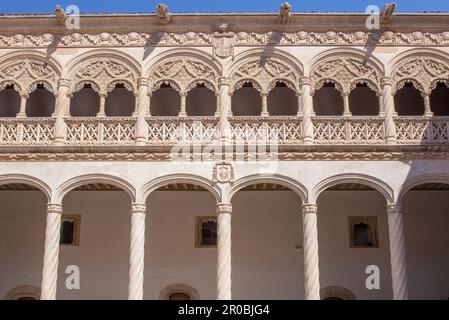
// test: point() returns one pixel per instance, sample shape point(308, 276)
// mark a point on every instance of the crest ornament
point(224, 42)
point(223, 172)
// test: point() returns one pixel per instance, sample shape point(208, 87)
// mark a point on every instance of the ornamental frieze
point(138, 39)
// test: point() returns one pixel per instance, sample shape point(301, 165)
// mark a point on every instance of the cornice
point(241, 38)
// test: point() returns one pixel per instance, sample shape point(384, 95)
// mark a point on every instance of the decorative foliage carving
point(104, 73)
point(423, 71)
point(184, 74)
point(27, 74)
point(346, 73)
point(138, 39)
point(264, 72)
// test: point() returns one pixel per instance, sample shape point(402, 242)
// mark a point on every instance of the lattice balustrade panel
point(91, 131)
point(273, 131)
point(34, 131)
point(170, 131)
point(416, 130)
point(353, 130)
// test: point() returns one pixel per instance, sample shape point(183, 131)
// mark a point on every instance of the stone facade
point(225, 102)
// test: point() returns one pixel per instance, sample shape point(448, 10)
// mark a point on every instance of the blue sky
point(39, 6)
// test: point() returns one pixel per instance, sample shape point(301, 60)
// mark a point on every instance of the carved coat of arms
point(224, 44)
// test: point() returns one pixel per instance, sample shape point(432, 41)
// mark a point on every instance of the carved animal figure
point(162, 13)
point(386, 15)
point(285, 13)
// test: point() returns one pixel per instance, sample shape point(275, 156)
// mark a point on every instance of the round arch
point(352, 65)
point(419, 73)
point(23, 291)
point(345, 52)
point(179, 178)
point(372, 182)
point(78, 181)
point(28, 180)
point(49, 70)
point(129, 73)
point(152, 63)
point(286, 69)
point(167, 291)
point(287, 182)
point(419, 180)
point(166, 67)
point(261, 53)
point(336, 292)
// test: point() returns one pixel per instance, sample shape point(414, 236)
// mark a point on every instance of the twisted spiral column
point(311, 265)
point(307, 110)
point(224, 109)
point(388, 108)
point(51, 252)
point(397, 252)
point(224, 282)
point(137, 251)
point(61, 110)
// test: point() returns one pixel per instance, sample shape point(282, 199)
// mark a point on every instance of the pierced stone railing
point(280, 130)
point(187, 130)
point(420, 130)
point(26, 131)
point(348, 130)
point(168, 131)
point(100, 131)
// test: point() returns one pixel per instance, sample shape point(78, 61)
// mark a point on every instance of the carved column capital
point(138, 208)
point(394, 208)
point(309, 208)
point(386, 81)
point(63, 82)
point(224, 208)
point(224, 81)
point(305, 81)
point(54, 208)
point(142, 82)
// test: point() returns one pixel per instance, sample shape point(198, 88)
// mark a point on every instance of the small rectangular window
point(206, 232)
point(70, 229)
point(363, 232)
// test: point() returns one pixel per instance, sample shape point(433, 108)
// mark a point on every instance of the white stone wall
point(266, 229)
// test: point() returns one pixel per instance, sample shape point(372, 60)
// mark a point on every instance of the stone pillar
point(62, 107)
point(427, 111)
point(182, 111)
point(142, 110)
point(51, 252)
point(137, 251)
point(388, 107)
point(224, 211)
point(311, 265)
point(299, 96)
point(23, 103)
point(224, 96)
point(346, 110)
point(224, 106)
point(143, 99)
point(381, 105)
point(101, 112)
point(62, 104)
point(264, 112)
point(307, 109)
point(397, 252)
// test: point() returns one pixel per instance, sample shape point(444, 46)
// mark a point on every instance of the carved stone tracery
point(103, 74)
point(346, 73)
point(27, 74)
point(263, 73)
point(423, 72)
point(184, 74)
